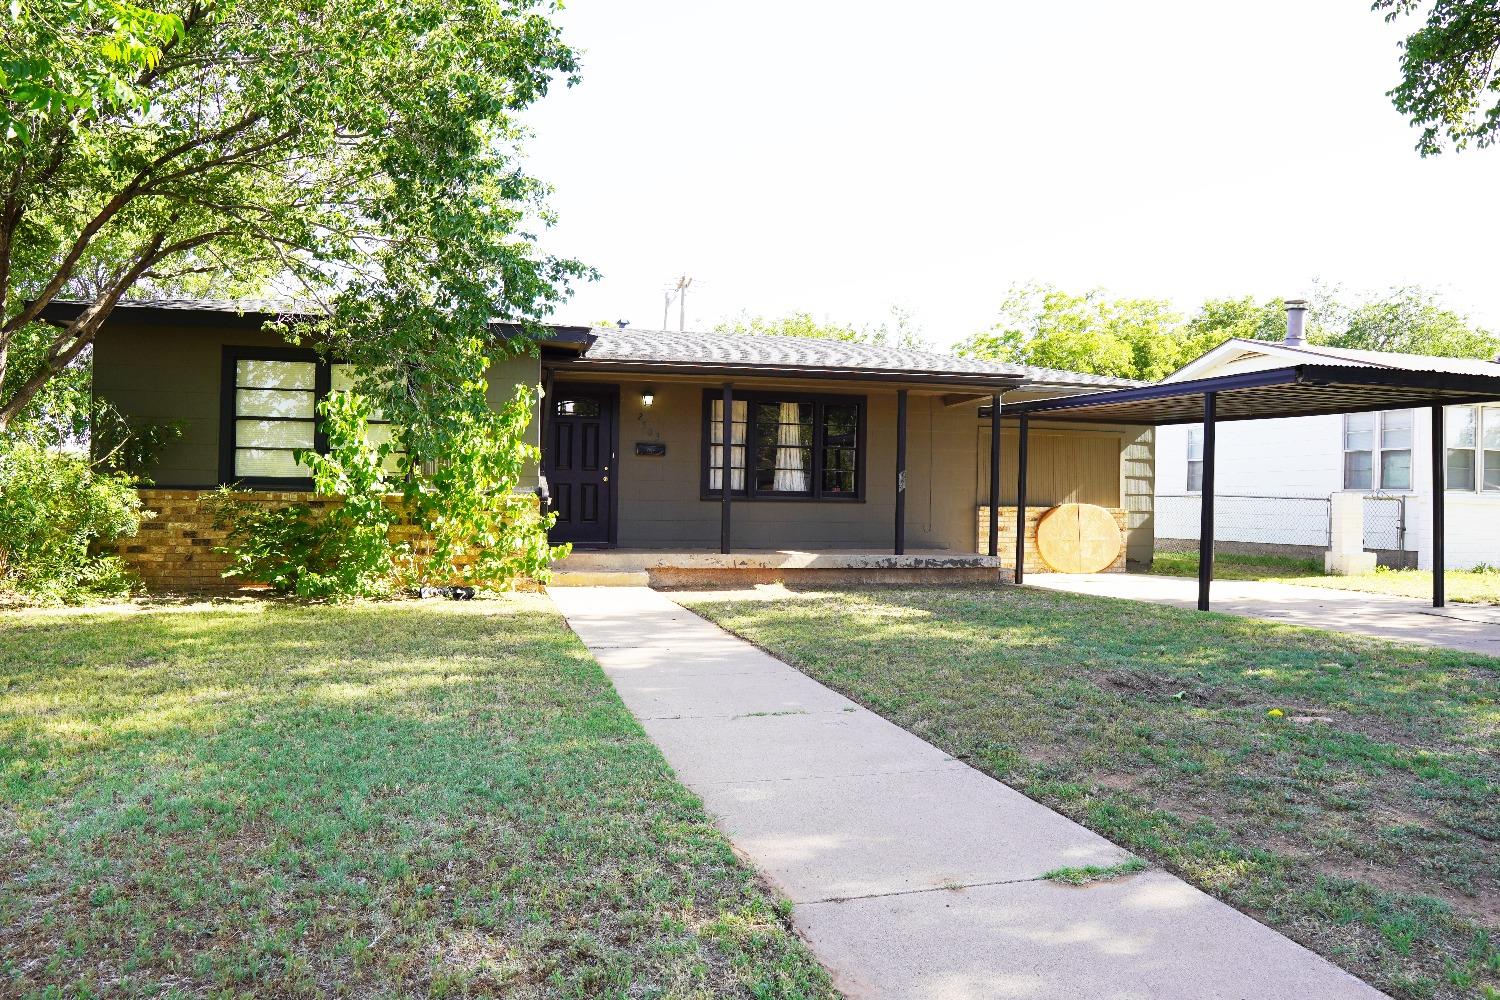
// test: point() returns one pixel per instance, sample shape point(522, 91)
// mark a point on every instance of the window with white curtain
point(785, 446)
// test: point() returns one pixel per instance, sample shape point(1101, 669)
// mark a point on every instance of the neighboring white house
point(1275, 476)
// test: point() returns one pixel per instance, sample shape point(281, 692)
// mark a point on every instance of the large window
point(1473, 444)
point(1377, 450)
point(1195, 460)
point(270, 413)
point(785, 446)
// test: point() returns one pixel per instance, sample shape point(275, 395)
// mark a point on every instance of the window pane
point(1460, 468)
point(276, 374)
point(1395, 470)
point(1195, 444)
point(273, 403)
point(739, 413)
point(273, 434)
point(341, 377)
point(577, 407)
point(1395, 429)
point(1357, 470)
point(1195, 477)
point(783, 447)
point(275, 463)
point(1492, 470)
point(1461, 428)
point(1359, 431)
point(840, 449)
point(1492, 427)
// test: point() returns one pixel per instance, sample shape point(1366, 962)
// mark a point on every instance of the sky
point(850, 158)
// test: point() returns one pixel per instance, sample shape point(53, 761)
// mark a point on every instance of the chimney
point(1296, 318)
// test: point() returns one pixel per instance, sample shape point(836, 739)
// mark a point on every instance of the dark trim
point(1440, 503)
point(232, 354)
point(979, 380)
point(611, 395)
point(861, 452)
point(996, 408)
point(726, 467)
point(1023, 434)
point(900, 545)
point(1206, 506)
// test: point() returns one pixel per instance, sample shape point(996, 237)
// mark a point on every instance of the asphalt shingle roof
point(671, 347)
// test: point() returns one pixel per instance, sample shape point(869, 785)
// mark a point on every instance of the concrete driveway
point(914, 875)
point(1469, 628)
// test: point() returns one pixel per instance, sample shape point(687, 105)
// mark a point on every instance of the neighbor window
point(270, 413)
point(1473, 448)
point(1195, 460)
point(1377, 451)
point(797, 447)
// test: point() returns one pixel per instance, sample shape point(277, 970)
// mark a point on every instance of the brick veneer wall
point(175, 548)
point(1034, 563)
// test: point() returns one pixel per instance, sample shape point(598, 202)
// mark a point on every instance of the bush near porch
point(1341, 789)
point(419, 799)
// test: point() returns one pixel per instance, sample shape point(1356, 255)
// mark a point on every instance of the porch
point(635, 567)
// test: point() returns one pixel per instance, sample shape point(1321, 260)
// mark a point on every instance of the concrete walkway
point(1469, 628)
point(915, 875)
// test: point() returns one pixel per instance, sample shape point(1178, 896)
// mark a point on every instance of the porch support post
point(1206, 520)
point(1025, 430)
point(1439, 502)
point(900, 472)
point(726, 474)
point(995, 474)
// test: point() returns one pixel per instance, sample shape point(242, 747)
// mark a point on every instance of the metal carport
point(1297, 391)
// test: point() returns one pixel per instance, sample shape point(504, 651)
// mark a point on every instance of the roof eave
point(997, 381)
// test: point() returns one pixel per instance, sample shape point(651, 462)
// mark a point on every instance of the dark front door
point(578, 457)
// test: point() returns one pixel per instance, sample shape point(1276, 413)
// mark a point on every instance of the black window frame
point(818, 401)
point(229, 382)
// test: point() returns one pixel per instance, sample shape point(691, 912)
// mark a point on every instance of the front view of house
point(634, 440)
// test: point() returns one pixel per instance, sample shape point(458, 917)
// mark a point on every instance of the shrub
point(54, 508)
point(330, 553)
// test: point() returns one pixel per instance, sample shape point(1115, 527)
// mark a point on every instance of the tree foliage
point(358, 157)
point(899, 331)
point(1449, 86)
point(1146, 339)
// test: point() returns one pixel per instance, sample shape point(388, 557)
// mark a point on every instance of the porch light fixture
point(648, 396)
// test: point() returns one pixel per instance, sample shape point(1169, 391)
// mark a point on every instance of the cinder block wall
point(1034, 563)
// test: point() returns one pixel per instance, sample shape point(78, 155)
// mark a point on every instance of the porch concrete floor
point(914, 875)
point(634, 560)
point(1462, 627)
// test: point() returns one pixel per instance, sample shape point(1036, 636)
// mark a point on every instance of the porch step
point(601, 578)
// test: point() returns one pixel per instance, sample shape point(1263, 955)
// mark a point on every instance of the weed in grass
point(1095, 873)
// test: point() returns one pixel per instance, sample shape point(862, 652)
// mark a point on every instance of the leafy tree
point(1411, 321)
point(1043, 326)
point(359, 157)
point(1449, 86)
point(900, 331)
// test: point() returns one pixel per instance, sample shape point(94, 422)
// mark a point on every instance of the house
point(840, 457)
point(1276, 477)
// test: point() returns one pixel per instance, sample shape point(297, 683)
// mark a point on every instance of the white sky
point(842, 158)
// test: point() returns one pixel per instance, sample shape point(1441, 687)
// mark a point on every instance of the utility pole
point(683, 284)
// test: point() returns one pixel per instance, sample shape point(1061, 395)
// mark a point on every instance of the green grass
point(1480, 586)
point(436, 800)
point(1095, 873)
point(1341, 789)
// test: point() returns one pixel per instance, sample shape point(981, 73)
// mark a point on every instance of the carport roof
point(1297, 391)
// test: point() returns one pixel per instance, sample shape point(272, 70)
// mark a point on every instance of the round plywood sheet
point(1078, 538)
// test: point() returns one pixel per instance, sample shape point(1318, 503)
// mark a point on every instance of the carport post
point(995, 475)
point(726, 473)
point(1206, 519)
point(1439, 501)
point(1024, 433)
point(900, 472)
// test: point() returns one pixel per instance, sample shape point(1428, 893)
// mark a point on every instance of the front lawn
point(430, 799)
point(1344, 790)
point(1461, 586)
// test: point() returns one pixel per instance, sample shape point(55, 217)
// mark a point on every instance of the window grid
point(1377, 450)
point(1473, 449)
point(1195, 460)
point(803, 447)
